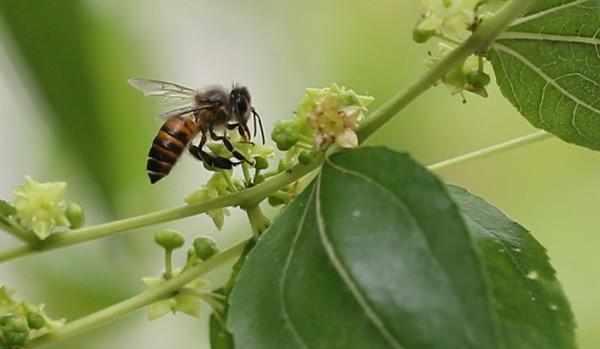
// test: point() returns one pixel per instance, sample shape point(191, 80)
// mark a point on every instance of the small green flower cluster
point(453, 21)
point(40, 208)
point(189, 299)
point(325, 116)
point(21, 321)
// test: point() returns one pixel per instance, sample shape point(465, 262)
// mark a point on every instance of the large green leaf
point(548, 65)
point(532, 309)
point(376, 254)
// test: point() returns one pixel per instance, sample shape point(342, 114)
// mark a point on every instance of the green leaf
point(547, 64)
point(376, 254)
point(529, 303)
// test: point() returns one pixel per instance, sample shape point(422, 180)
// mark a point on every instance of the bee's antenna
point(262, 131)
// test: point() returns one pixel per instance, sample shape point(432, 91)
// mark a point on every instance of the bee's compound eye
point(242, 105)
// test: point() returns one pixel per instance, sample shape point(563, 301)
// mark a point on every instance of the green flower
point(448, 18)
point(187, 300)
point(41, 207)
point(334, 114)
point(218, 185)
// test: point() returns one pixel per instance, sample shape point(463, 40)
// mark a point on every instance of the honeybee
point(197, 113)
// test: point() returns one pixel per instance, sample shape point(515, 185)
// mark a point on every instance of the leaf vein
point(286, 317)
point(543, 13)
point(547, 78)
point(345, 275)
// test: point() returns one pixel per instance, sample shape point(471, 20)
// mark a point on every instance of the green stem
point(485, 34)
point(145, 298)
point(250, 195)
point(258, 220)
point(168, 264)
point(502, 147)
point(246, 172)
point(24, 236)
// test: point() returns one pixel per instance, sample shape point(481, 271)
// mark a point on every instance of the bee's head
point(241, 106)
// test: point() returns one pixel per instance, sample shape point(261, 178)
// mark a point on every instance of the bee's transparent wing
point(186, 109)
point(174, 98)
point(162, 89)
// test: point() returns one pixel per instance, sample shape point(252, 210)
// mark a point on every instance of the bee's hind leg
point(228, 145)
point(211, 160)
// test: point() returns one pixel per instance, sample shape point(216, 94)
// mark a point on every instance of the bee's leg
point(228, 145)
point(210, 159)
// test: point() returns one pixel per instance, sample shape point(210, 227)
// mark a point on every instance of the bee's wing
point(176, 99)
point(163, 89)
point(186, 109)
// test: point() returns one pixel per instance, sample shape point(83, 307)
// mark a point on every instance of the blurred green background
point(68, 114)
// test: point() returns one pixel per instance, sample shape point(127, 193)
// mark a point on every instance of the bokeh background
point(68, 114)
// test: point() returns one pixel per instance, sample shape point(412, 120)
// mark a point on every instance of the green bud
point(169, 239)
point(75, 215)
point(286, 134)
point(14, 331)
point(422, 35)
point(205, 247)
point(261, 163)
point(306, 158)
point(35, 320)
point(478, 79)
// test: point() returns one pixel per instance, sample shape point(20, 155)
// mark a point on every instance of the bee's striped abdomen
point(170, 142)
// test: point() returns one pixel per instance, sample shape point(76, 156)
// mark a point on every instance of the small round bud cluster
point(21, 321)
point(188, 299)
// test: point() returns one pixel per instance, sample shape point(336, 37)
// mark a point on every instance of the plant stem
point(502, 147)
point(24, 236)
point(247, 196)
point(168, 264)
point(258, 220)
point(478, 42)
point(147, 297)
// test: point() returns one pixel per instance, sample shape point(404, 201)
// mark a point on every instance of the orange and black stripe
point(170, 142)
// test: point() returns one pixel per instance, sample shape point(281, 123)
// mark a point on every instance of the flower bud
point(306, 158)
point(261, 163)
point(422, 35)
point(478, 79)
point(205, 247)
point(35, 320)
point(75, 215)
point(169, 239)
point(286, 134)
point(14, 331)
